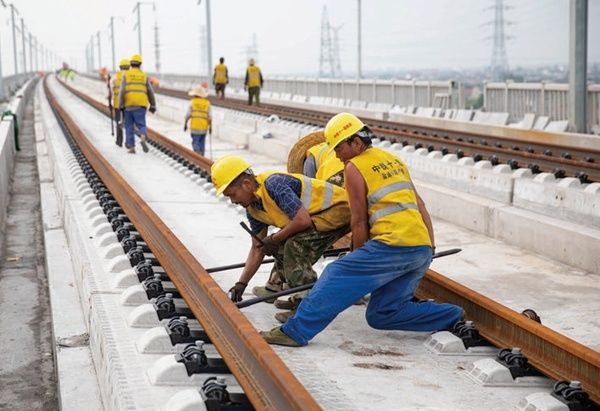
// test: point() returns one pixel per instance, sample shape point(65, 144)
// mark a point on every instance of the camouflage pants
point(298, 254)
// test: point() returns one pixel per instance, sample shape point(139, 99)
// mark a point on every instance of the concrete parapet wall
point(8, 151)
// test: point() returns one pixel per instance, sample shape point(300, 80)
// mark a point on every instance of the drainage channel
point(541, 348)
point(157, 255)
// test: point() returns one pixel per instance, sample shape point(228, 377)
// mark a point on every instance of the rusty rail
point(266, 380)
point(552, 353)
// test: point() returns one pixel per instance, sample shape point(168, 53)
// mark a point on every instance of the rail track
point(245, 353)
point(534, 150)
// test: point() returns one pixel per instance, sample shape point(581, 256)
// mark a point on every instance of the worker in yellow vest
point(135, 95)
point(311, 215)
point(322, 164)
point(392, 239)
point(253, 82)
point(116, 88)
point(198, 115)
point(220, 78)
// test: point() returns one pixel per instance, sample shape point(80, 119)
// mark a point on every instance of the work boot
point(263, 292)
point(143, 143)
point(290, 304)
point(131, 150)
point(284, 316)
point(278, 337)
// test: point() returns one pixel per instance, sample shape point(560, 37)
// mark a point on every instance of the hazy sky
point(407, 34)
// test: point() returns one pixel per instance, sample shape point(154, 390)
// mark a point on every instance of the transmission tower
point(499, 65)
point(329, 59)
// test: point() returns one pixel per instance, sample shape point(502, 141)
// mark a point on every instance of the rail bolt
point(535, 169)
point(582, 176)
point(477, 157)
point(515, 147)
point(116, 223)
point(589, 159)
point(114, 213)
point(514, 164)
point(548, 152)
point(460, 153)
point(444, 150)
point(165, 304)
point(566, 155)
point(559, 173)
point(179, 326)
point(498, 145)
point(418, 146)
point(483, 142)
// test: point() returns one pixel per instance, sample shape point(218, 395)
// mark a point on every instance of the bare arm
point(426, 218)
point(357, 197)
point(253, 260)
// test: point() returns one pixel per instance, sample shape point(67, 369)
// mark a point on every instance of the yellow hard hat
point(124, 63)
point(136, 58)
point(340, 127)
point(225, 170)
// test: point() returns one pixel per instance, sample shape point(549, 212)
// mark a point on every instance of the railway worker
point(116, 88)
point(322, 163)
point(393, 241)
point(253, 82)
point(135, 95)
point(220, 78)
point(199, 114)
point(310, 213)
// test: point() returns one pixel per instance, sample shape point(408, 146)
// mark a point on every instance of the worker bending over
point(392, 239)
point(311, 214)
point(199, 114)
point(135, 95)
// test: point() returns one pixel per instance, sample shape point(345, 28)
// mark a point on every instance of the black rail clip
point(135, 255)
point(196, 362)
point(164, 305)
point(153, 286)
point(572, 395)
point(143, 270)
point(180, 333)
point(469, 334)
point(517, 363)
point(217, 398)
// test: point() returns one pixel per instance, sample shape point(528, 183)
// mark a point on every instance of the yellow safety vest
point(253, 76)
point(316, 196)
point(117, 88)
point(199, 116)
point(329, 167)
point(136, 92)
point(220, 74)
point(394, 216)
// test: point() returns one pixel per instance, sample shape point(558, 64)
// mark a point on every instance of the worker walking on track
point(253, 82)
point(199, 114)
point(135, 95)
point(393, 242)
point(321, 163)
point(220, 78)
point(311, 214)
point(116, 88)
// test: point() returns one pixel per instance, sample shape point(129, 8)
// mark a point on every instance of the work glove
point(237, 291)
point(185, 127)
point(152, 109)
point(270, 246)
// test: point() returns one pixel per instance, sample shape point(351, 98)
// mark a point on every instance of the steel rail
point(554, 354)
point(266, 380)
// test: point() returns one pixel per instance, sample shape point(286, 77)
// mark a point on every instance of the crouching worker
point(392, 239)
point(312, 215)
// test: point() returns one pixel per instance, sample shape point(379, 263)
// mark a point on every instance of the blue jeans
point(138, 117)
point(198, 140)
point(391, 275)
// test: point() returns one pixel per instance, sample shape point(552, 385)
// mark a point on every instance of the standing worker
point(135, 95)
point(116, 88)
point(253, 82)
point(311, 214)
point(199, 114)
point(220, 78)
point(392, 239)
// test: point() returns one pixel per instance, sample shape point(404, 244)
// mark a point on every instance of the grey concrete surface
point(27, 376)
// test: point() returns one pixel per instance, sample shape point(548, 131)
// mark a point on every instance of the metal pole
point(1, 78)
point(139, 26)
point(112, 37)
point(359, 70)
point(30, 52)
point(208, 41)
point(23, 42)
point(14, 33)
point(578, 16)
point(92, 52)
point(99, 50)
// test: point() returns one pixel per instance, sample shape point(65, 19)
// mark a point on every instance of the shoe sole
point(144, 146)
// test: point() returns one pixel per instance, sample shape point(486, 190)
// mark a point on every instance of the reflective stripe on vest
point(136, 92)
point(316, 196)
point(220, 74)
point(394, 216)
point(199, 115)
point(253, 76)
